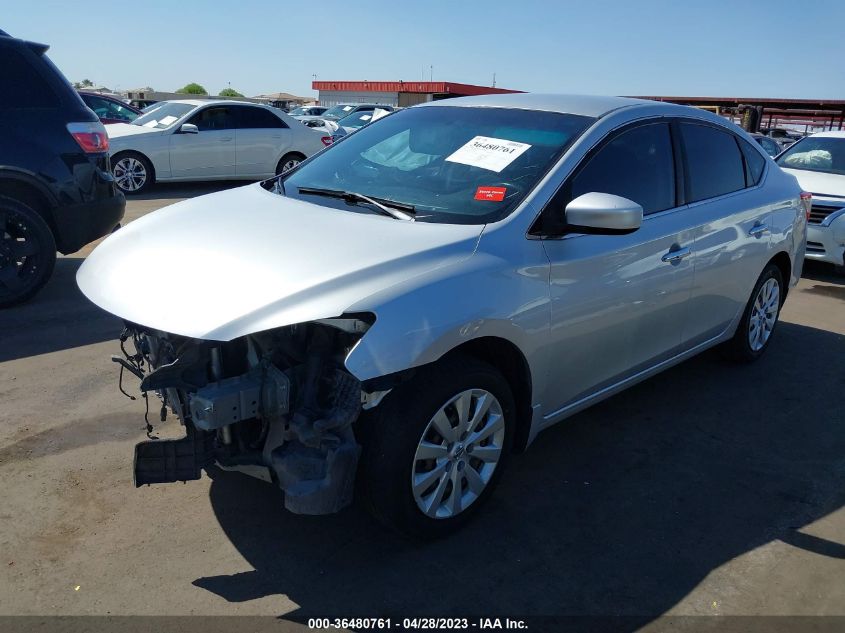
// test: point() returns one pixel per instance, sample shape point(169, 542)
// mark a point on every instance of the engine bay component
point(259, 393)
point(280, 403)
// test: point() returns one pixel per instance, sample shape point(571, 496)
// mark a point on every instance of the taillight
point(91, 137)
point(327, 140)
point(807, 201)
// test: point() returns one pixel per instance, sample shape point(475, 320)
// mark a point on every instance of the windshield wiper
point(398, 210)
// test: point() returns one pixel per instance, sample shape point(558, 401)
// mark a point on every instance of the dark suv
point(56, 188)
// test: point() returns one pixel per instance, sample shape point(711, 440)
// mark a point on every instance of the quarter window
point(754, 163)
point(637, 164)
point(25, 87)
point(713, 161)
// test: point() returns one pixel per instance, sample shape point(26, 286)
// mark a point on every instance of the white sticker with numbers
point(489, 153)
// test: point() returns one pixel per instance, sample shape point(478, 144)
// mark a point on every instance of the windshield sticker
point(366, 117)
point(493, 154)
point(495, 194)
point(347, 108)
point(151, 123)
point(168, 120)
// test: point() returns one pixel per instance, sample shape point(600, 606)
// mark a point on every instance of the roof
point(199, 102)
point(831, 134)
point(584, 105)
point(282, 96)
point(427, 87)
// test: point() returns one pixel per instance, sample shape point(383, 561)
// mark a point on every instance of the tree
point(192, 89)
point(85, 83)
point(230, 92)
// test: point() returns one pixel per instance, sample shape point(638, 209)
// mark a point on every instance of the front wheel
point(758, 322)
point(436, 446)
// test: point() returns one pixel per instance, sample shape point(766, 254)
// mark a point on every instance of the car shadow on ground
point(821, 271)
point(622, 510)
point(168, 190)
point(59, 317)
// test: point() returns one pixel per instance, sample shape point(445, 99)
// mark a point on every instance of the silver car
point(414, 304)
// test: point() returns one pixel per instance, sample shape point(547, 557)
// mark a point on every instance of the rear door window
point(638, 164)
point(256, 118)
point(713, 161)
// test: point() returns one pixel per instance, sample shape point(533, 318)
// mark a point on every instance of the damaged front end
point(277, 404)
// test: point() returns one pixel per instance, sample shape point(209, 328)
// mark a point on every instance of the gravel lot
point(711, 489)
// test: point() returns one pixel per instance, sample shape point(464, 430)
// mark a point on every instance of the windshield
point(305, 111)
point(816, 153)
point(359, 119)
point(338, 111)
point(453, 164)
point(163, 114)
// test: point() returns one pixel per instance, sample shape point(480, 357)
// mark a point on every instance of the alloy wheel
point(458, 453)
point(130, 174)
point(290, 164)
point(764, 314)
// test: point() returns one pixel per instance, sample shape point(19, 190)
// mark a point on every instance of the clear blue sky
point(750, 48)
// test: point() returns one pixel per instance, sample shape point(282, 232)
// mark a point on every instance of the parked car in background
point(770, 145)
point(56, 190)
point(109, 109)
point(343, 110)
point(307, 111)
point(818, 162)
point(442, 285)
point(355, 122)
point(207, 140)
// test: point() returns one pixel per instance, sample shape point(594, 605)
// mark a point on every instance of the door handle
point(758, 230)
point(676, 255)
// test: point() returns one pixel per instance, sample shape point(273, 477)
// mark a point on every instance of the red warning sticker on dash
point(496, 194)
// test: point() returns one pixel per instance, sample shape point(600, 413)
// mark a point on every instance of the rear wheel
point(27, 252)
point(760, 317)
point(437, 445)
point(132, 172)
point(288, 162)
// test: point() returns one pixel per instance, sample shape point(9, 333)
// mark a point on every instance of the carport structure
point(814, 115)
point(397, 93)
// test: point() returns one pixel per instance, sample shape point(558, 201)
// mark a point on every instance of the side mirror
point(603, 214)
point(189, 128)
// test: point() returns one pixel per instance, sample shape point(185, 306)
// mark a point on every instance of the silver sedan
point(419, 301)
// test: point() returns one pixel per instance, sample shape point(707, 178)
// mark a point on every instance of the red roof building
point(397, 93)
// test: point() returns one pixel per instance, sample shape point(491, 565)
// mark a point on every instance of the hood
point(246, 260)
point(118, 130)
point(819, 183)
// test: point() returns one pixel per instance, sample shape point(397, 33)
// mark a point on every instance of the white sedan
point(207, 140)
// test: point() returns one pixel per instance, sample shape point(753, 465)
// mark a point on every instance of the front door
point(211, 152)
point(619, 301)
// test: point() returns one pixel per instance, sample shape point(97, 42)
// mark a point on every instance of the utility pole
point(431, 68)
point(494, 80)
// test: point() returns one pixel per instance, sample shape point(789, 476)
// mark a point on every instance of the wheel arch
point(784, 264)
point(508, 359)
point(31, 193)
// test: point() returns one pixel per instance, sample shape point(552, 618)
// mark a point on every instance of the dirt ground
point(710, 489)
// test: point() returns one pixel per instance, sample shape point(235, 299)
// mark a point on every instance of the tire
point(744, 347)
point(393, 432)
point(132, 172)
point(27, 252)
point(289, 161)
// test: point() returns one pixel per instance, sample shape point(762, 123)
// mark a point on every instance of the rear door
point(261, 140)
point(618, 301)
point(732, 216)
point(211, 152)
